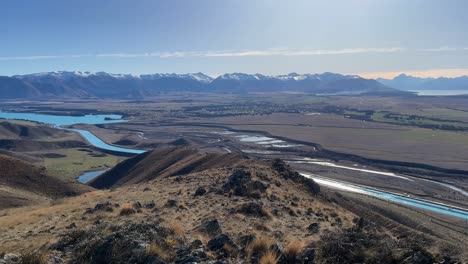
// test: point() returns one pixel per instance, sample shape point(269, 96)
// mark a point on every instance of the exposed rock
point(196, 244)
point(307, 256)
point(154, 260)
point(241, 184)
point(171, 203)
point(126, 243)
point(127, 211)
point(70, 226)
point(314, 228)
point(185, 255)
point(200, 191)
point(11, 259)
point(218, 242)
point(253, 209)
point(418, 258)
point(210, 227)
point(246, 240)
point(288, 173)
point(107, 207)
point(150, 205)
point(187, 259)
point(137, 205)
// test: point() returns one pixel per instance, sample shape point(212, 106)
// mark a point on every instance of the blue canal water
point(439, 208)
point(87, 176)
point(61, 121)
point(97, 142)
point(417, 203)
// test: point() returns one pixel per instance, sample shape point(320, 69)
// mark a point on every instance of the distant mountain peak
point(242, 76)
point(200, 77)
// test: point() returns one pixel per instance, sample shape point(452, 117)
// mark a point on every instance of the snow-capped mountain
point(325, 83)
point(243, 76)
point(70, 74)
point(327, 76)
point(190, 76)
point(79, 84)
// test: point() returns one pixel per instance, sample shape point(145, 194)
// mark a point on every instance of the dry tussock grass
point(266, 212)
point(230, 251)
point(258, 246)
point(269, 257)
point(238, 216)
point(127, 209)
point(171, 242)
point(293, 249)
point(177, 228)
point(160, 251)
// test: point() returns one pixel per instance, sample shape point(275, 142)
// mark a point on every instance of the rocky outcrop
point(288, 173)
point(240, 183)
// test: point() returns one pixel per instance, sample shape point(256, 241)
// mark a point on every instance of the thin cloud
point(302, 52)
point(245, 53)
point(269, 52)
point(442, 49)
point(233, 53)
point(42, 57)
point(29, 58)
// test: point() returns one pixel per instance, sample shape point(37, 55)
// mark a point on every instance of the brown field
point(375, 140)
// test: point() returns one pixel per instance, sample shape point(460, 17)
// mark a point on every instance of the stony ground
point(256, 212)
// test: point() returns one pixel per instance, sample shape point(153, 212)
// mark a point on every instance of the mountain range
point(76, 84)
point(408, 83)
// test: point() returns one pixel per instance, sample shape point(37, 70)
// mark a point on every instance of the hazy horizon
point(368, 38)
point(437, 73)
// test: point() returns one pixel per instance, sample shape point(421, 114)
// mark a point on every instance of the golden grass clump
point(176, 228)
point(230, 251)
point(259, 246)
point(127, 209)
point(171, 242)
point(266, 212)
point(155, 249)
point(293, 249)
point(269, 257)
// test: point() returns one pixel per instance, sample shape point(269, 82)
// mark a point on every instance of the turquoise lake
point(61, 121)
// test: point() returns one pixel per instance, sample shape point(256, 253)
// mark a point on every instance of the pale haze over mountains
point(105, 85)
point(78, 84)
point(407, 82)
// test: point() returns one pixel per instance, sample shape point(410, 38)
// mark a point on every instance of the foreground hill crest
point(203, 208)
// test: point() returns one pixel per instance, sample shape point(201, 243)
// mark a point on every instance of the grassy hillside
point(248, 211)
point(23, 184)
point(161, 163)
point(63, 153)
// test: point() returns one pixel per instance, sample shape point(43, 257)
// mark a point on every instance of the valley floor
point(368, 141)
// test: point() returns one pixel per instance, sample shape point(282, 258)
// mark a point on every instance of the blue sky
point(368, 37)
